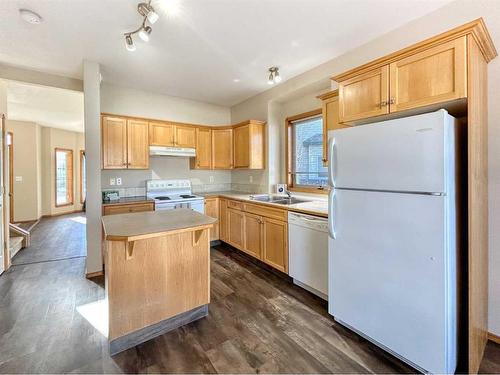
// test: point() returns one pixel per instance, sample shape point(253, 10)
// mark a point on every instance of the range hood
point(171, 151)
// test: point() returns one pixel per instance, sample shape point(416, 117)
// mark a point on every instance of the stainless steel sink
point(277, 199)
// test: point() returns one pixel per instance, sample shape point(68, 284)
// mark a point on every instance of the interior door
point(393, 274)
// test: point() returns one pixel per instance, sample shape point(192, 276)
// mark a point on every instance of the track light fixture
point(148, 13)
point(274, 75)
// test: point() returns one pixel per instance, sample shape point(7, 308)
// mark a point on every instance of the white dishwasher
point(308, 252)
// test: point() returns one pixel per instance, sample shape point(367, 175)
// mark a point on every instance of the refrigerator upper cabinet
point(409, 154)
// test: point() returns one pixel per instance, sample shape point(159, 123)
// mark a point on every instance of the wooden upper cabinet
point(275, 249)
point(185, 136)
point(331, 121)
point(203, 159)
point(137, 144)
point(222, 148)
point(114, 142)
point(249, 145)
point(435, 75)
point(365, 95)
point(161, 134)
point(253, 227)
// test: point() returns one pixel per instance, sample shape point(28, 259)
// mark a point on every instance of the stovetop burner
point(185, 196)
point(163, 198)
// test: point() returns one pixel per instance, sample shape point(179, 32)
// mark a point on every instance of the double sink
point(276, 199)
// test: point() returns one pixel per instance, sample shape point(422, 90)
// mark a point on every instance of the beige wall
point(445, 18)
point(124, 101)
point(56, 138)
point(26, 168)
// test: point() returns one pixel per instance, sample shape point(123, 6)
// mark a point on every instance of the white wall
point(445, 18)
point(125, 101)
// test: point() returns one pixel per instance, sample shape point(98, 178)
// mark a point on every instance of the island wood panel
point(165, 276)
point(222, 148)
point(203, 159)
point(212, 210)
point(161, 134)
point(137, 144)
point(365, 95)
point(185, 136)
point(477, 113)
point(253, 226)
point(436, 75)
point(114, 142)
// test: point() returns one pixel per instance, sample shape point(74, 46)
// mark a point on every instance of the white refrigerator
point(393, 236)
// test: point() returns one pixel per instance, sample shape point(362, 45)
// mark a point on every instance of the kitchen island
point(157, 273)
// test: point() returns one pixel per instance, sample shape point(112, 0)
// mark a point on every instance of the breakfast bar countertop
point(141, 225)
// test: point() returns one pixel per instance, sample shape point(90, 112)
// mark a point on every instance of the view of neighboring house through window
point(83, 177)
point(305, 139)
point(64, 177)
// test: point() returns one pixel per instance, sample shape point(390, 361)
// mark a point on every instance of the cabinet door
point(222, 148)
point(235, 228)
point(212, 210)
point(253, 226)
point(185, 136)
point(137, 144)
point(276, 244)
point(161, 134)
point(203, 158)
point(223, 219)
point(364, 96)
point(114, 143)
point(331, 121)
point(242, 146)
point(436, 75)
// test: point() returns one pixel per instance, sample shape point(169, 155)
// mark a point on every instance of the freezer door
point(409, 154)
point(392, 275)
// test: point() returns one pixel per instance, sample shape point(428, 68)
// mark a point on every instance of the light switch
point(119, 181)
point(19, 178)
point(112, 181)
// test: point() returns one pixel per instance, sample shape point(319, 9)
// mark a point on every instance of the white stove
point(172, 194)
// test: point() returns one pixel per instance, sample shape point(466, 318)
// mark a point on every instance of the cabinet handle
point(324, 160)
point(383, 104)
point(392, 101)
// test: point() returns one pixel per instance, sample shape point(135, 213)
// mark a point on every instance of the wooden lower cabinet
point(253, 235)
point(212, 210)
point(261, 233)
point(116, 209)
point(235, 228)
point(275, 233)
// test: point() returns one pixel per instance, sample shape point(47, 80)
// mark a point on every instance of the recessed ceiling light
point(30, 16)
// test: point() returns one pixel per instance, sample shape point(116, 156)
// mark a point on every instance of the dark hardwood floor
point(258, 323)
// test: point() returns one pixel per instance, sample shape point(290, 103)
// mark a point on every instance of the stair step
point(15, 244)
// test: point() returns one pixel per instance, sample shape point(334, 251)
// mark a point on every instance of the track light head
point(274, 75)
point(145, 32)
point(147, 10)
point(129, 43)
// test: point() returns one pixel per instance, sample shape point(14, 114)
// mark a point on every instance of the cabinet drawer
point(273, 213)
point(128, 208)
point(235, 205)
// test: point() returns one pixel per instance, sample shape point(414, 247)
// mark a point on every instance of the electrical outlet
point(250, 178)
point(112, 181)
point(118, 180)
point(212, 179)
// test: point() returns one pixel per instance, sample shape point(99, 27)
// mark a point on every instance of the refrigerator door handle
point(331, 216)
point(331, 162)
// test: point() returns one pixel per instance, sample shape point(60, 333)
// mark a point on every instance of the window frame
point(82, 157)
point(71, 190)
point(289, 147)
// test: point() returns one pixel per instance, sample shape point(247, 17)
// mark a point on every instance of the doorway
point(10, 152)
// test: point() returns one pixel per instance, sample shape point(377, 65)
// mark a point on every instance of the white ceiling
point(200, 51)
point(47, 106)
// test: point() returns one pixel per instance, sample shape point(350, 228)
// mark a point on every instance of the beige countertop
point(142, 225)
point(314, 206)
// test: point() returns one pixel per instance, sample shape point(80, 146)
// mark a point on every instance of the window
point(64, 177)
point(305, 168)
point(83, 177)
